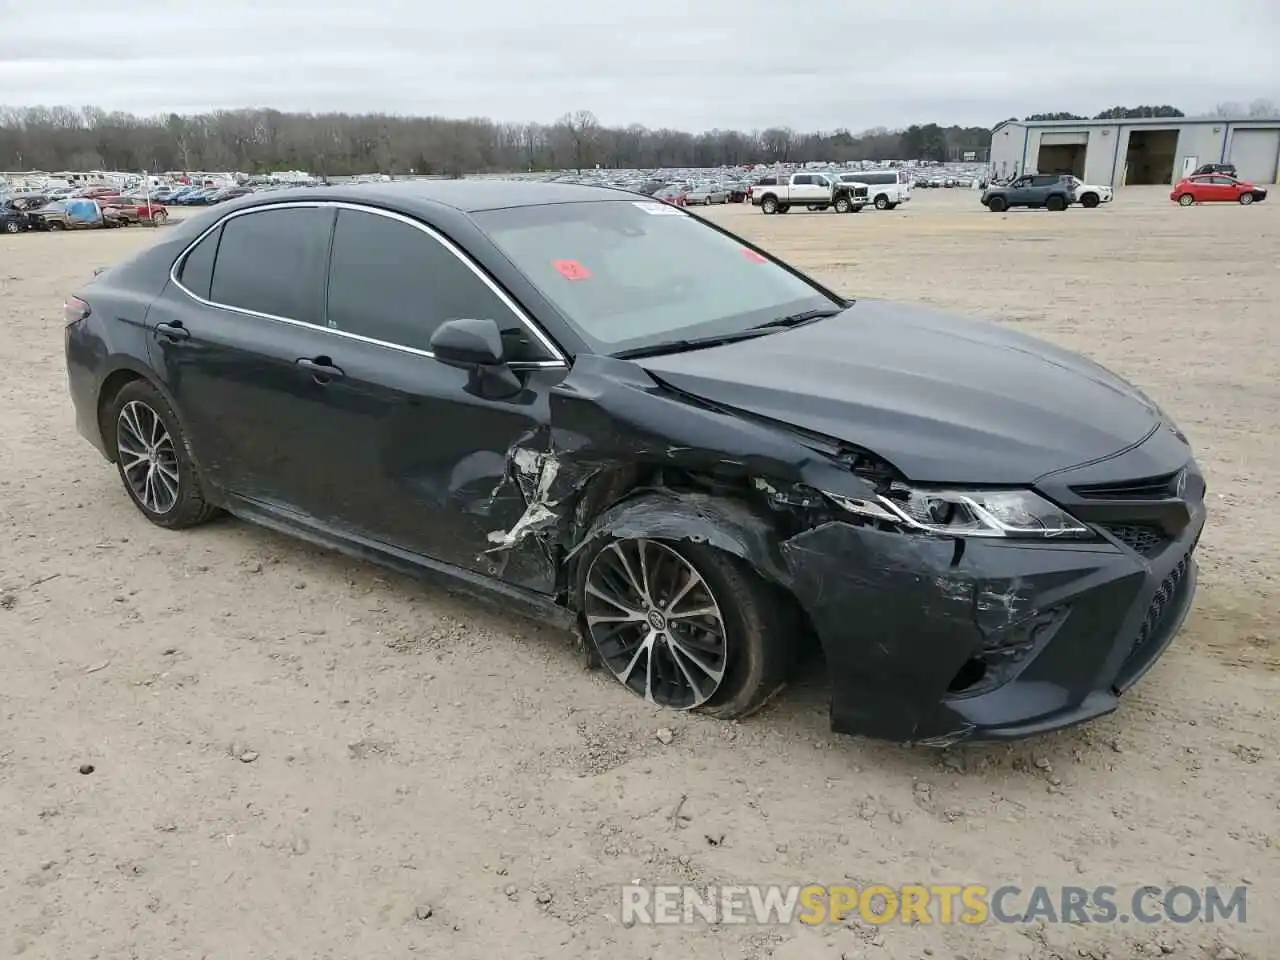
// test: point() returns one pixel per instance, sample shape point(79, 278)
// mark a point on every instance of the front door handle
point(173, 331)
point(322, 369)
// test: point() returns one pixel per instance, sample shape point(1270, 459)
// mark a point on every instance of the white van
point(885, 188)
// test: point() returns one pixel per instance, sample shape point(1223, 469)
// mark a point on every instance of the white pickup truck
point(778, 193)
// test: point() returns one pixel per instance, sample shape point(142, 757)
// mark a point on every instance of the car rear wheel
point(159, 217)
point(997, 205)
point(1186, 200)
point(54, 225)
point(683, 625)
point(891, 206)
point(1056, 203)
point(152, 460)
point(1246, 199)
point(769, 205)
point(1089, 200)
point(882, 202)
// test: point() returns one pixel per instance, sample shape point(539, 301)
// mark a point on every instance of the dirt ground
point(296, 755)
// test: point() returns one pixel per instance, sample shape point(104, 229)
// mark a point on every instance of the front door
point(431, 450)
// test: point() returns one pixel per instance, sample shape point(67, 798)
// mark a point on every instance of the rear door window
point(273, 262)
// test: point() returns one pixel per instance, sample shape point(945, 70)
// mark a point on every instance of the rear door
point(227, 338)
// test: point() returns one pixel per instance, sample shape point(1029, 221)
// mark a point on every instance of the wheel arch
point(129, 371)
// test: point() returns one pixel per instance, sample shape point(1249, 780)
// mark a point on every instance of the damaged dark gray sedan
point(632, 422)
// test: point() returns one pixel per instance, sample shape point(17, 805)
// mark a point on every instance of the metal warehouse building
point(1138, 151)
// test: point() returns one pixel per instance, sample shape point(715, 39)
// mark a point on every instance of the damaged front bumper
point(938, 640)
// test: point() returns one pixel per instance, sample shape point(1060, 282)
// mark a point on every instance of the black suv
point(1226, 169)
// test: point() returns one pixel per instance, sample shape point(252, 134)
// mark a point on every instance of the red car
point(137, 211)
point(1215, 188)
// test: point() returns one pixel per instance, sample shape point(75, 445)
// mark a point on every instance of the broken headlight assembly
point(1019, 514)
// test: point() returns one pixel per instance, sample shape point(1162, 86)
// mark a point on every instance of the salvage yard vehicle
point(13, 219)
point(778, 193)
point(74, 214)
point(1087, 194)
point(1215, 188)
point(628, 421)
point(1047, 190)
point(706, 194)
point(886, 188)
point(136, 211)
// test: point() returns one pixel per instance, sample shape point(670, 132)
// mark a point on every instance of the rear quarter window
point(195, 272)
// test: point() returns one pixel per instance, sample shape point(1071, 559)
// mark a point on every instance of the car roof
point(465, 196)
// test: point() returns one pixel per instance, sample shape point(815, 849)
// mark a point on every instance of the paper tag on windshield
point(657, 209)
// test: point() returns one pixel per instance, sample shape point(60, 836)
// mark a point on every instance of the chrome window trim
point(444, 241)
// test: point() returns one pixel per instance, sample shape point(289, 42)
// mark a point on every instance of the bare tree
point(1264, 108)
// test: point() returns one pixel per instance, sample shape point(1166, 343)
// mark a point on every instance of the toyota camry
point(633, 423)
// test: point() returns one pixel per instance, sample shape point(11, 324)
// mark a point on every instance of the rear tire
point(1246, 199)
point(769, 205)
point(891, 206)
point(152, 460)
point(159, 218)
point(55, 225)
point(1056, 204)
point(755, 650)
point(882, 202)
point(1186, 200)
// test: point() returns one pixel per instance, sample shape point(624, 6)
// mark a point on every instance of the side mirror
point(468, 343)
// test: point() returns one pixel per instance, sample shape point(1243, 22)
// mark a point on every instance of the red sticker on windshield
point(753, 256)
point(571, 269)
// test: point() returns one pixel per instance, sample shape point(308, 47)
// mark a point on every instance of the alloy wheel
point(656, 623)
point(147, 457)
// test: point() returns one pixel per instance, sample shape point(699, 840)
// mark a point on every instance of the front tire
point(1056, 204)
point(843, 205)
point(997, 205)
point(1089, 200)
point(1246, 199)
point(152, 460)
point(683, 625)
point(1186, 200)
point(12, 226)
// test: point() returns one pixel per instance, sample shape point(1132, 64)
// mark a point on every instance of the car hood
point(944, 399)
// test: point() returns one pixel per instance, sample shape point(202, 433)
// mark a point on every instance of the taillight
point(74, 310)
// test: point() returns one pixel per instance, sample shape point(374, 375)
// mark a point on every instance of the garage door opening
point(1150, 157)
point(1063, 158)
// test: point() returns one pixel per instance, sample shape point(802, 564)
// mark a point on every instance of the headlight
point(969, 513)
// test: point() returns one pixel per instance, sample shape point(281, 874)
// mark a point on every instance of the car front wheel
point(1246, 198)
point(683, 625)
point(1089, 200)
point(997, 204)
point(1186, 200)
point(152, 460)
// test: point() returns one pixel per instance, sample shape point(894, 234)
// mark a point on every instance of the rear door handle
point(321, 369)
point(173, 331)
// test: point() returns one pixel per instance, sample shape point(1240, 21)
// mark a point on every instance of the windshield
point(630, 274)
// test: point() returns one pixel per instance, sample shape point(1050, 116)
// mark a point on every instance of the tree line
point(259, 141)
point(262, 140)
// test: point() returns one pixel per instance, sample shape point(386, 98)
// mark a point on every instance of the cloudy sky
point(808, 64)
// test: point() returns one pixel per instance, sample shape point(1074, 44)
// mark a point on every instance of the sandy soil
point(410, 753)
